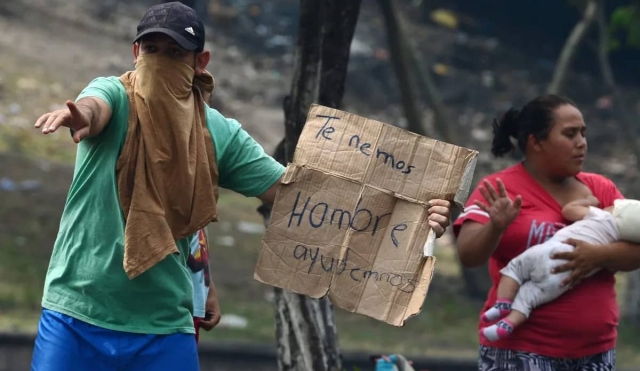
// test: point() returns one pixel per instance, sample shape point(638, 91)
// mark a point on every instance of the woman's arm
point(617, 256)
point(620, 256)
point(476, 242)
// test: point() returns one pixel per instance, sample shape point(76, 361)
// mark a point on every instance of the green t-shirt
point(86, 279)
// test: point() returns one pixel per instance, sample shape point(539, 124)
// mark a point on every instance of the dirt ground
point(49, 59)
point(50, 50)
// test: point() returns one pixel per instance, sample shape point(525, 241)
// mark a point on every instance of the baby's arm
point(578, 209)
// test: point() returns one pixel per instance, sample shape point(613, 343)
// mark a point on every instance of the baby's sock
point(501, 308)
point(500, 330)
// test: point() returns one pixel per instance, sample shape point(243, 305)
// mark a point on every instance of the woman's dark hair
point(535, 118)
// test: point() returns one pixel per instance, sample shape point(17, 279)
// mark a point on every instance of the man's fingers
point(80, 134)
point(439, 213)
point(210, 323)
point(437, 228)
point(45, 121)
point(439, 202)
point(55, 124)
point(440, 210)
point(73, 109)
point(439, 217)
point(206, 325)
point(50, 120)
point(42, 119)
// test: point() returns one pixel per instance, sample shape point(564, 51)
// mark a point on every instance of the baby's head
point(627, 216)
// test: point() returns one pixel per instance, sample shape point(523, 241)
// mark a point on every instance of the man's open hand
point(70, 117)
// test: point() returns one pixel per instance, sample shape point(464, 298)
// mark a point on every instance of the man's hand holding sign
point(354, 211)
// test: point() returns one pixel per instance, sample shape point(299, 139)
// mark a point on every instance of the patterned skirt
point(494, 359)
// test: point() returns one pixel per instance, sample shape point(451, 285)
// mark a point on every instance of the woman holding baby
point(520, 207)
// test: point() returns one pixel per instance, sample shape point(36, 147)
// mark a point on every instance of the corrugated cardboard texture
point(350, 217)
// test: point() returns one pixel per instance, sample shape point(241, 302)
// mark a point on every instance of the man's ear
point(202, 60)
point(136, 52)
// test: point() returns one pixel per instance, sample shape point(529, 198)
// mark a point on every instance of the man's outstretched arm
point(86, 118)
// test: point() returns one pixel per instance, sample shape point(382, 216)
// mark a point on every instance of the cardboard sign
point(350, 217)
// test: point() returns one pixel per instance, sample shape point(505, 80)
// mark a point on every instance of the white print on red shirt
point(539, 232)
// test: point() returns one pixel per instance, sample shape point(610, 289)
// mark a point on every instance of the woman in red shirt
point(521, 206)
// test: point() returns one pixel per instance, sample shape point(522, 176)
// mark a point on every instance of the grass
point(28, 90)
point(29, 221)
point(445, 328)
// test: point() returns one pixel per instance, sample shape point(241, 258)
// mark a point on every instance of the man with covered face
point(151, 156)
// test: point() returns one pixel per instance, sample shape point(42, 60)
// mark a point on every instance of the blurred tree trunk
point(571, 47)
point(627, 124)
point(339, 28)
point(619, 108)
point(477, 280)
point(444, 125)
point(306, 334)
point(401, 66)
point(304, 85)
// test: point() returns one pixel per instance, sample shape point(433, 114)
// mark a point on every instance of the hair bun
point(509, 122)
point(505, 128)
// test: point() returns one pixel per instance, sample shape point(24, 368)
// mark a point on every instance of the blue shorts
point(67, 344)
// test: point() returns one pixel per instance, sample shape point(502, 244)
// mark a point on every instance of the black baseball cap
point(175, 20)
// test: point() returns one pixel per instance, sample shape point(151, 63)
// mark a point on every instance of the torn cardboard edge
point(371, 134)
point(393, 173)
point(423, 274)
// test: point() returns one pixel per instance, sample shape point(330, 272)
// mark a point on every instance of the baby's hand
point(593, 201)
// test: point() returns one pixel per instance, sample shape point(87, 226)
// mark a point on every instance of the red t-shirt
point(582, 321)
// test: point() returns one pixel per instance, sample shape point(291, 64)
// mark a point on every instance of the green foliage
point(580, 4)
point(624, 26)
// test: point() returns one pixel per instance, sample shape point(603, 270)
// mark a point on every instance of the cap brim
point(184, 43)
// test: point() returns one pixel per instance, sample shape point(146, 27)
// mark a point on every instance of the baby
point(527, 281)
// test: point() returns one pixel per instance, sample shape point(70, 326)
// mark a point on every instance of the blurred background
point(481, 56)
